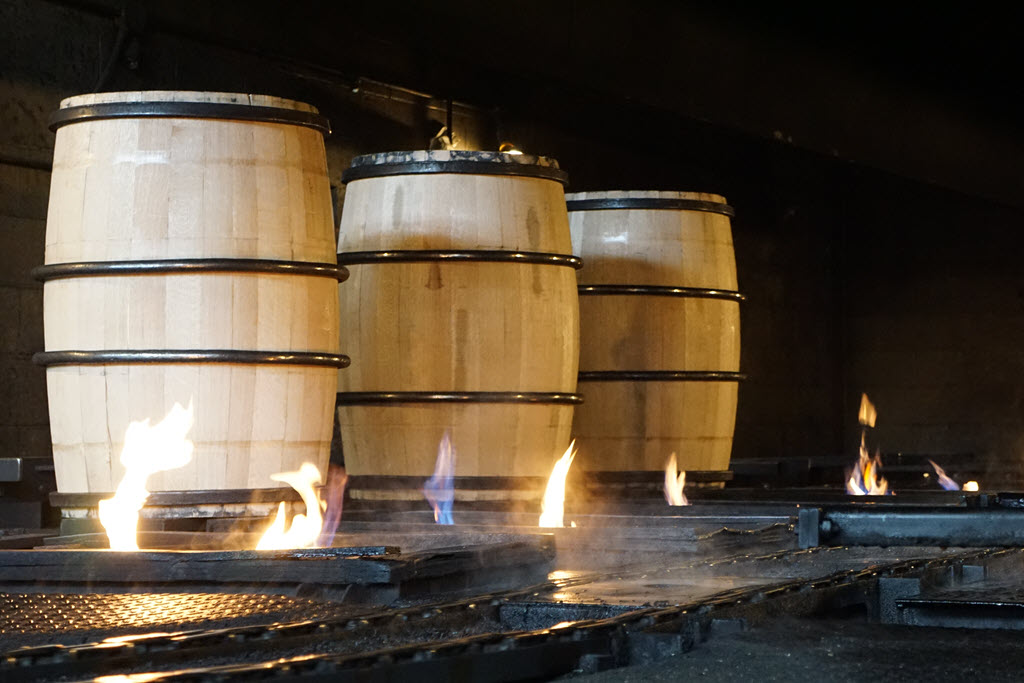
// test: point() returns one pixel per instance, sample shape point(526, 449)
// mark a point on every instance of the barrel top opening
point(190, 96)
point(454, 161)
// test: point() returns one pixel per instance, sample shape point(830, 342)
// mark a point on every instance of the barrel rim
point(658, 290)
point(76, 269)
point(188, 110)
point(661, 376)
point(648, 203)
point(453, 161)
point(350, 258)
point(179, 356)
point(355, 398)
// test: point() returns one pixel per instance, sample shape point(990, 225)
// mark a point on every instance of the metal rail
point(487, 657)
point(888, 525)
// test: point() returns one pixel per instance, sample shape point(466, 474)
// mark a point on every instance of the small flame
point(305, 529)
point(334, 500)
point(147, 450)
point(971, 486)
point(674, 484)
point(865, 479)
point(440, 488)
point(553, 505)
point(867, 414)
point(945, 481)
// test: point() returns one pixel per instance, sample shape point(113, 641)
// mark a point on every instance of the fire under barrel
point(190, 260)
point(461, 317)
point(659, 332)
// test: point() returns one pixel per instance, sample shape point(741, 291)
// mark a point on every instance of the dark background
point(872, 154)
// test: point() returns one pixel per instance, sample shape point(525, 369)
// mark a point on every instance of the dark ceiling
point(928, 95)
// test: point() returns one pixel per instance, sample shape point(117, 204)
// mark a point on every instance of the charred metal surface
point(635, 635)
point(330, 572)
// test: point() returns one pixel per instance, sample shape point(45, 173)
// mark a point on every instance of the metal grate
point(41, 614)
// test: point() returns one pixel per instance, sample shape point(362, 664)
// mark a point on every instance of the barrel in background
point(190, 258)
point(461, 316)
point(659, 330)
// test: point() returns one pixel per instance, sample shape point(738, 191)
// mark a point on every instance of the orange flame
point(305, 529)
point(674, 484)
point(865, 479)
point(147, 450)
point(867, 413)
point(971, 486)
point(553, 505)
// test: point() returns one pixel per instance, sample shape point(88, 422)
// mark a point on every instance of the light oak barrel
point(461, 318)
point(190, 258)
point(659, 330)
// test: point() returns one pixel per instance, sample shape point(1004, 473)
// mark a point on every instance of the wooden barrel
point(461, 317)
point(659, 330)
point(190, 258)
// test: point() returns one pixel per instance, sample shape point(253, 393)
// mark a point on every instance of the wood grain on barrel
point(636, 425)
point(449, 327)
point(129, 189)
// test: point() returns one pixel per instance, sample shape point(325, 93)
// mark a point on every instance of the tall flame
point(305, 529)
point(674, 483)
point(147, 450)
point(864, 479)
point(440, 488)
point(553, 505)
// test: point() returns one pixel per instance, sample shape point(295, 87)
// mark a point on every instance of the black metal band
point(463, 167)
point(313, 359)
point(660, 376)
point(183, 498)
point(188, 110)
point(384, 482)
point(58, 271)
point(351, 258)
point(651, 290)
point(613, 477)
point(398, 397)
point(654, 203)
